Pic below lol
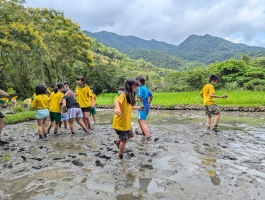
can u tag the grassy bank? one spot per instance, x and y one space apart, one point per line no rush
235 98
19 117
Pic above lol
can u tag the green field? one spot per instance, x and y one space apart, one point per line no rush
235 98
19 117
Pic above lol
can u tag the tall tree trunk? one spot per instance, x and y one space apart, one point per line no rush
42 70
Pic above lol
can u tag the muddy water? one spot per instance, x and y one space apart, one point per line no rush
181 161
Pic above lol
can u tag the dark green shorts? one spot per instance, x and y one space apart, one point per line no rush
55 117
92 111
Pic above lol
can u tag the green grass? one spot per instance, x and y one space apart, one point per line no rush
235 98
19 117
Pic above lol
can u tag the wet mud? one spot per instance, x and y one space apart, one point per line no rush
181 162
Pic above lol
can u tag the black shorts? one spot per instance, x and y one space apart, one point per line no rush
2 115
86 109
123 135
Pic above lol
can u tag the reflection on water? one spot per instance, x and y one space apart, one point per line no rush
211 170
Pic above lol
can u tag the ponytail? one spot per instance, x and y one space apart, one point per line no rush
58 87
130 94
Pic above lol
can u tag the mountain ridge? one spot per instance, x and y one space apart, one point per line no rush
204 49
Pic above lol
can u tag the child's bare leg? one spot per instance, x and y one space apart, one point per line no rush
86 119
122 147
40 126
94 117
78 120
145 128
140 125
1 125
71 125
209 118
50 126
44 122
217 119
56 126
65 124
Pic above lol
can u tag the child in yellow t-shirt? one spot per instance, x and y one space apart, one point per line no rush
84 99
55 100
14 101
209 96
93 109
41 104
122 117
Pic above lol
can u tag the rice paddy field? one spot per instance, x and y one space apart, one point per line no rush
235 98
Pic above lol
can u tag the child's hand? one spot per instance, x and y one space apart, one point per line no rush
118 112
224 96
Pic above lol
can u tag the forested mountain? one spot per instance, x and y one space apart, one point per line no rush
205 49
209 49
162 59
125 43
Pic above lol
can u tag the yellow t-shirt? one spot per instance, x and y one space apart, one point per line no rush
34 95
55 102
94 98
206 91
41 101
27 101
14 98
5 99
84 95
123 122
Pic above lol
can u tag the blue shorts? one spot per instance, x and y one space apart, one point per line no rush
64 117
142 114
42 114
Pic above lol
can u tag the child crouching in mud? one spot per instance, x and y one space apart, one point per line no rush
122 117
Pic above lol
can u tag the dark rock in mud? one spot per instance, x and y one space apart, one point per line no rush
104 156
9 166
231 139
82 154
39 166
57 158
206 144
24 158
36 158
99 164
156 139
131 154
229 157
21 149
77 163
97 154
154 154
72 156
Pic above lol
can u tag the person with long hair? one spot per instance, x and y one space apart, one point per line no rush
122 117
41 104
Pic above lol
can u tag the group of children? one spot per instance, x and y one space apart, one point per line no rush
61 103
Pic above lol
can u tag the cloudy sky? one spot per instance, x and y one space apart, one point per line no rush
171 21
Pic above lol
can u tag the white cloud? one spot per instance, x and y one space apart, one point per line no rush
168 20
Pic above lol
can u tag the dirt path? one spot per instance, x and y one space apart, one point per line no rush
181 162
